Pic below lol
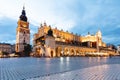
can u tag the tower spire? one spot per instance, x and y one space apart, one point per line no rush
45 23
23 16
23 7
23 11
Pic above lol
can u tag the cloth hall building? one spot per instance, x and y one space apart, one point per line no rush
51 42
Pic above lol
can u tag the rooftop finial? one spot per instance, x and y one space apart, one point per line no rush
45 23
23 15
24 7
23 11
41 25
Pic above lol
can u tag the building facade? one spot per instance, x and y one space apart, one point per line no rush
5 47
53 42
63 36
22 32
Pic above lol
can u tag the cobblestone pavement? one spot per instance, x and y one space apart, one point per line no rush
103 72
67 68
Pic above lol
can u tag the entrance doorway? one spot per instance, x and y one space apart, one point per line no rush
51 54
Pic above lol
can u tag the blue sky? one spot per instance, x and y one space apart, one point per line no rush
77 16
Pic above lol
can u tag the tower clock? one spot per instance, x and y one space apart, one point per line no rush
22 32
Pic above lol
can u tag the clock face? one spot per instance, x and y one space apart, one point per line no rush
24 25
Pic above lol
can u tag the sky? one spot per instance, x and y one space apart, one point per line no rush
77 16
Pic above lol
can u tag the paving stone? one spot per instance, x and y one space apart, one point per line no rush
103 72
30 69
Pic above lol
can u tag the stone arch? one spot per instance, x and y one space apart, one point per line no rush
58 51
66 51
77 52
81 52
52 53
72 52
38 52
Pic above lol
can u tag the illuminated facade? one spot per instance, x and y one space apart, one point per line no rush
93 40
53 42
23 32
62 36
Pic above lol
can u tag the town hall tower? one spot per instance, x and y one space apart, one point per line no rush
22 32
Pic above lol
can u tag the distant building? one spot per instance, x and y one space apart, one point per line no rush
23 32
6 47
118 49
13 48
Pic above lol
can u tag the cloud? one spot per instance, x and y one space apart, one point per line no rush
118 26
10 41
111 40
53 12
78 16
7 38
